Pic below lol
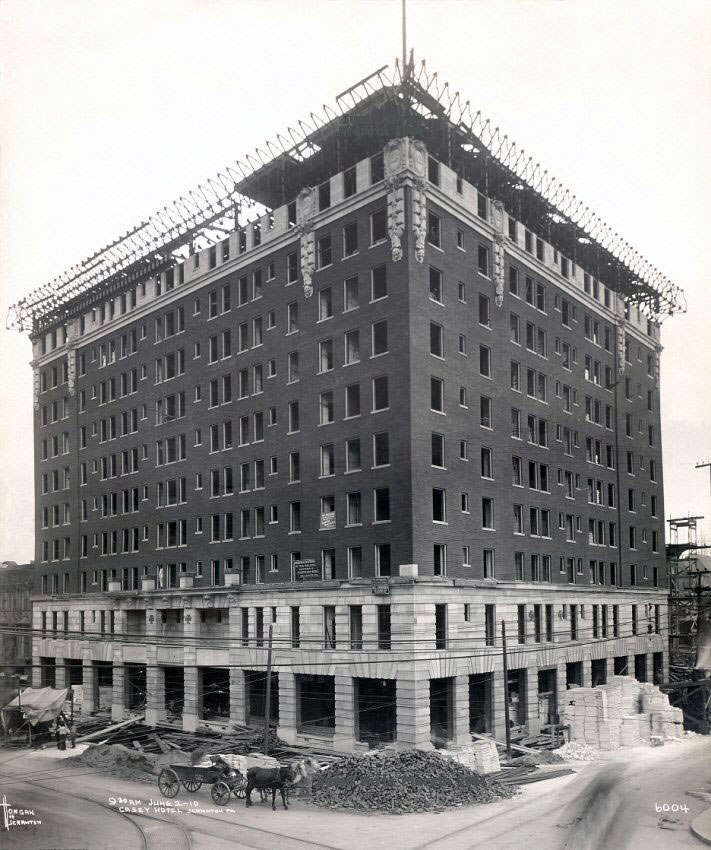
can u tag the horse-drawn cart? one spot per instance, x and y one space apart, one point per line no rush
224 780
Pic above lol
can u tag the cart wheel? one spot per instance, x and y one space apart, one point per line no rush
240 791
192 784
168 782
220 793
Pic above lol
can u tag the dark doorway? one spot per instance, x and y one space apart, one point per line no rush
214 690
316 700
135 685
174 692
481 714
658 668
574 673
75 671
640 667
441 711
376 715
103 683
598 667
48 672
517 697
621 665
257 697
547 697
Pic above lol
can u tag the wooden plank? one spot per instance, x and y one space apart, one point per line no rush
501 744
101 733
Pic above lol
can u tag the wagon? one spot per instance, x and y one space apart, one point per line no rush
224 780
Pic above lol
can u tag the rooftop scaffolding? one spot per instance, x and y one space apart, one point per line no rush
385 104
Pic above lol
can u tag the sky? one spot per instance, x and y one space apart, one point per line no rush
112 108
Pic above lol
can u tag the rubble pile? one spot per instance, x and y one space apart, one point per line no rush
125 762
575 751
624 712
410 781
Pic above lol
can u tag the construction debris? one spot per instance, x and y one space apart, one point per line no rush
399 783
623 712
575 751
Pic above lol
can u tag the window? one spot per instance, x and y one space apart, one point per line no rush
436 340
436 293
349 182
350 294
484 361
488 562
326 410
380 393
487 464
353 509
325 304
323 251
353 458
325 355
378 283
483 260
434 230
485 419
352 400
487 513
514 329
439 505
378 227
380 337
381 449
327 460
381 504
484 311
437 395
292 317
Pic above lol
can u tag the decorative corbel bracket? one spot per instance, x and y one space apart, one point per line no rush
305 211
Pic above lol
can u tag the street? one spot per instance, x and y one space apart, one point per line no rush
610 805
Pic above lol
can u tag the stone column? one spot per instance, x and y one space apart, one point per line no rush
342 627
89 686
609 667
344 732
630 660
60 674
460 713
561 680
498 696
413 708
191 696
238 696
649 666
118 701
286 729
155 687
533 720
587 670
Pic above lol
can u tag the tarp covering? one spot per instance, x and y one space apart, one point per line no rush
40 704
703 646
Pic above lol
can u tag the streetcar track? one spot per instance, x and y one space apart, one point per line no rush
265 837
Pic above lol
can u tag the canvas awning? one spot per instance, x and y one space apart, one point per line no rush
703 646
39 704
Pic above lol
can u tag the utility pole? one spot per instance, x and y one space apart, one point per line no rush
267 706
404 38
506 691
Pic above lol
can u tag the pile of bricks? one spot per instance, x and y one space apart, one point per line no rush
624 712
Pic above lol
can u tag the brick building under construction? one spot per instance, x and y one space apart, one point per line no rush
380 389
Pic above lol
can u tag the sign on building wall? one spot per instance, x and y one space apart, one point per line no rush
306 570
380 586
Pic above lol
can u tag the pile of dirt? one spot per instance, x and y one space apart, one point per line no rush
410 781
127 763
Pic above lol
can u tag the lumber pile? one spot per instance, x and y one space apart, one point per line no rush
481 756
398 783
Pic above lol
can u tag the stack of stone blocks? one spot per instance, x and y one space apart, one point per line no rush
624 712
